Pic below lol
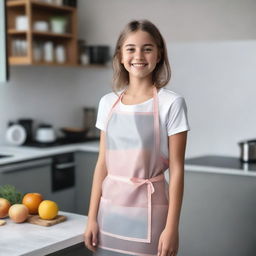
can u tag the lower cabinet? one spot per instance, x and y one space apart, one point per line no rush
28 176
36 176
75 250
218 215
85 165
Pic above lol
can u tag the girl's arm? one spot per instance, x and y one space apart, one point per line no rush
169 239
177 147
100 173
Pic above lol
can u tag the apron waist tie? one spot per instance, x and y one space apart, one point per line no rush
150 190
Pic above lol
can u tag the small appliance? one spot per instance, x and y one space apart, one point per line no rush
45 133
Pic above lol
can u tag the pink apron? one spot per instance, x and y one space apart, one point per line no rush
134 202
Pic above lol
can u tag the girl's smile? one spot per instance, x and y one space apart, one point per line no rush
139 55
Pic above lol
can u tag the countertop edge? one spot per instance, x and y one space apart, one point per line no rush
217 170
21 154
56 247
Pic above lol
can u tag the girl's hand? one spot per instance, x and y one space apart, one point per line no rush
90 235
168 243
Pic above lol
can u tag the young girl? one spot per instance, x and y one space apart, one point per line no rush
144 128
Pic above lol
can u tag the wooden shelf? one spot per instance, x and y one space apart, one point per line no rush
38 3
93 66
17 32
66 64
52 6
38 33
19 60
16 3
50 34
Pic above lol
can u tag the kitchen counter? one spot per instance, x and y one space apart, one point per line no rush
208 163
30 239
220 165
22 153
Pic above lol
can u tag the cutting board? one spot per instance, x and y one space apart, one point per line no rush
35 219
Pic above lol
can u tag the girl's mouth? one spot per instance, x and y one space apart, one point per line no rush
139 64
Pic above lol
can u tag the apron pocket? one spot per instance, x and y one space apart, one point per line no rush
124 222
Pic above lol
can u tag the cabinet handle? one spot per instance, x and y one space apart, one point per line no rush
25 165
64 166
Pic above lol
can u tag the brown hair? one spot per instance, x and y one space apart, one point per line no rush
162 72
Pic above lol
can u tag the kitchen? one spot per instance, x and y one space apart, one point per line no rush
211 47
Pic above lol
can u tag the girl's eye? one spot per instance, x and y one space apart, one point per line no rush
148 49
130 49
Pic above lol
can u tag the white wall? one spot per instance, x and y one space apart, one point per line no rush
57 95
218 82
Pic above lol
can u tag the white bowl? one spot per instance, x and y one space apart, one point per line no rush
41 26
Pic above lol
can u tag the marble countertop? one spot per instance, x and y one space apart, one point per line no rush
33 240
220 165
22 153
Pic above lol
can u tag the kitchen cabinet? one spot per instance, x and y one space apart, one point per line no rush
85 165
36 176
28 176
218 215
29 39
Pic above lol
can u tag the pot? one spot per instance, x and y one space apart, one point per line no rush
74 133
45 133
248 151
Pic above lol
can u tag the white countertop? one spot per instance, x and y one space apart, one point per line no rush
196 164
219 164
34 240
22 153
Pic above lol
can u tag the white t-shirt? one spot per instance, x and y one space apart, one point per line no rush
172 113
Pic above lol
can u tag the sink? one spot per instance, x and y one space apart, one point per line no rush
2 156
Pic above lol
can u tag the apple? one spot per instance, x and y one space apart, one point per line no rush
4 207
18 212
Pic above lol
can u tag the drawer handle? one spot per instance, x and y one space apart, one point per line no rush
65 166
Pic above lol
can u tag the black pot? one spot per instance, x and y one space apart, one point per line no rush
98 54
73 134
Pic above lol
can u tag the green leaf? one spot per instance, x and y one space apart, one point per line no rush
10 193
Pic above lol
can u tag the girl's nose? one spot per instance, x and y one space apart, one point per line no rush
139 55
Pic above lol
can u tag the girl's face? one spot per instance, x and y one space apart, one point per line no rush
139 54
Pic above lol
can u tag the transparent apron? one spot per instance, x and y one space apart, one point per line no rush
134 202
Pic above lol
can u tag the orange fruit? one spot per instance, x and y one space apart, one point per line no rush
32 201
48 210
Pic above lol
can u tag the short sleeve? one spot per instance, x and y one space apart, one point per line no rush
102 115
177 119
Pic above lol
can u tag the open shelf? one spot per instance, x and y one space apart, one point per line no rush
35 10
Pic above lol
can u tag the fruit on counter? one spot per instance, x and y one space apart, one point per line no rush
2 222
4 207
32 201
18 213
48 210
10 193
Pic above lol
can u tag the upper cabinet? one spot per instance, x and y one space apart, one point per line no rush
41 33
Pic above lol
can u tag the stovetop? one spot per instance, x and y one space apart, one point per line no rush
58 142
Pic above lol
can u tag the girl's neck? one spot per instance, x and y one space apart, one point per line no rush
139 88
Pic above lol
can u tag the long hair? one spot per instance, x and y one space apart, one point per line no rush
162 72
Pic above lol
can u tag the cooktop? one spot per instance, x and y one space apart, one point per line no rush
58 142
